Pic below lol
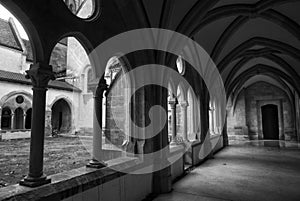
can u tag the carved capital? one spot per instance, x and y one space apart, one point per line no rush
40 74
184 104
173 102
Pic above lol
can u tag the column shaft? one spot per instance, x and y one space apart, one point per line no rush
12 121
40 74
37 133
97 157
184 106
0 120
24 120
173 104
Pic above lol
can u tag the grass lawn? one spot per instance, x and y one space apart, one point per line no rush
60 154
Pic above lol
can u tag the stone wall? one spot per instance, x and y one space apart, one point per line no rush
244 121
10 59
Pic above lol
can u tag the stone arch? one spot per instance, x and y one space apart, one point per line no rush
248 10
270 43
31 29
264 70
6 118
5 98
270 15
61 116
256 54
10 100
59 97
114 103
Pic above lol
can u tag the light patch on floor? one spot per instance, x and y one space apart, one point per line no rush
242 172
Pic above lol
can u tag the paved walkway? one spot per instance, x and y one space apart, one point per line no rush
243 172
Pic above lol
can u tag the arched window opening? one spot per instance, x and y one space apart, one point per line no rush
61 117
191 116
180 65
115 108
28 119
19 119
6 119
69 61
179 113
212 117
81 8
171 106
58 59
113 67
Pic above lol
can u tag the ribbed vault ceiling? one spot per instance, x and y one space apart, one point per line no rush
260 38
257 37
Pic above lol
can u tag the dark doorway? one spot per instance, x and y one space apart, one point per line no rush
270 122
19 118
28 119
6 119
61 116
60 121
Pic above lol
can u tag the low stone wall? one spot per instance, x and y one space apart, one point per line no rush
87 184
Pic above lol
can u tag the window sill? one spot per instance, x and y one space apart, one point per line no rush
69 183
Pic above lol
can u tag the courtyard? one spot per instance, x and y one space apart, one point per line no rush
61 154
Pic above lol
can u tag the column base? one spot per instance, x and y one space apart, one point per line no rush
173 143
35 182
96 164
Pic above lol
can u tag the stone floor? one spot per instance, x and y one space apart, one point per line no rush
243 172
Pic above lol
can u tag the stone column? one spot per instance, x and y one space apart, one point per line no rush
40 74
24 119
173 104
12 118
184 106
96 161
0 119
212 119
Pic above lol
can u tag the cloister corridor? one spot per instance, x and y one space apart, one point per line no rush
242 172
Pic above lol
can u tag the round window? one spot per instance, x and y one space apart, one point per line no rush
180 65
82 9
20 99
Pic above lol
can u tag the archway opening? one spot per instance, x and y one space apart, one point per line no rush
61 117
6 119
28 119
270 122
19 118
115 110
